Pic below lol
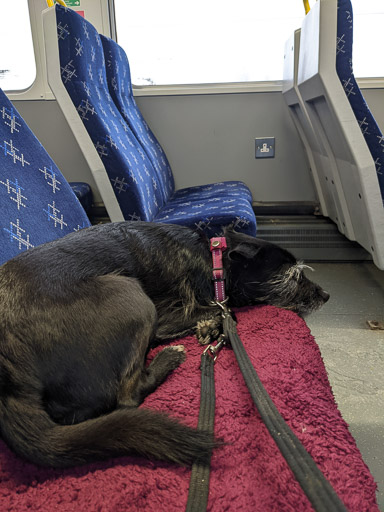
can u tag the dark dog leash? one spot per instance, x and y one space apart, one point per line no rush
314 484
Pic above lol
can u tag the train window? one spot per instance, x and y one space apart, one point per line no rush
222 41
368 36
201 42
17 59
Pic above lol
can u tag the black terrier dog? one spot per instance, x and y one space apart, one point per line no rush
78 315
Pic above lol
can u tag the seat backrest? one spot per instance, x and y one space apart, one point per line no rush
347 162
120 88
37 205
344 67
82 68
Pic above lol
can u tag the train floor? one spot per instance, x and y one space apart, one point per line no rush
354 354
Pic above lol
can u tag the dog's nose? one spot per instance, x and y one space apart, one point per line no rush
324 295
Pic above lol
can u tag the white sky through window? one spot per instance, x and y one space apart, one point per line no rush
216 41
17 59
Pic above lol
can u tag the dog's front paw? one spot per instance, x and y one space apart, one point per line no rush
208 330
171 357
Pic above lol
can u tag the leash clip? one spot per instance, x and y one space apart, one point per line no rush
213 350
225 310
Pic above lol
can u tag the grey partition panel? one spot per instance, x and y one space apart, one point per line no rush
314 150
342 158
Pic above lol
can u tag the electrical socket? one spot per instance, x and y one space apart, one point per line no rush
265 147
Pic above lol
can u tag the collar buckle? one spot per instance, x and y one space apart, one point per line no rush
219 242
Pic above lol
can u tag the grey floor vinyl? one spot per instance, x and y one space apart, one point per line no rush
353 354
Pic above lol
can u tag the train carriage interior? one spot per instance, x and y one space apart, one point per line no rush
251 114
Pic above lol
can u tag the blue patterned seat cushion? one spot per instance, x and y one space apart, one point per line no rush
235 189
37 204
82 66
344 68
210 215
120 88
83 193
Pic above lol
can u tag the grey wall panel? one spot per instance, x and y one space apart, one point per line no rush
375 100
211 138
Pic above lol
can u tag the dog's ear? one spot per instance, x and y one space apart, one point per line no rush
242 247
244 251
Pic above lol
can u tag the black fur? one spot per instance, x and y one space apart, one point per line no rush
78 315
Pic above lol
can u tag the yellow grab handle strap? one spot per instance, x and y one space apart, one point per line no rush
51 3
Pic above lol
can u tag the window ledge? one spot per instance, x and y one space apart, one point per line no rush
190 89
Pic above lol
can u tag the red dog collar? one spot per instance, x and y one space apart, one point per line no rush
217 246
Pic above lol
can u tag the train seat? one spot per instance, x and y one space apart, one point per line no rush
343 159
77 76
120 88
37 205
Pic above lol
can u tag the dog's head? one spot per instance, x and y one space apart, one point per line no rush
264 273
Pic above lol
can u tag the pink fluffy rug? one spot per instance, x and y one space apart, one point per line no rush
249 474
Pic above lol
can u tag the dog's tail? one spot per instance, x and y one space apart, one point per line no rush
31 433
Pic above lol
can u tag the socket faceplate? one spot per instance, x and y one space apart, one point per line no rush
265 147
